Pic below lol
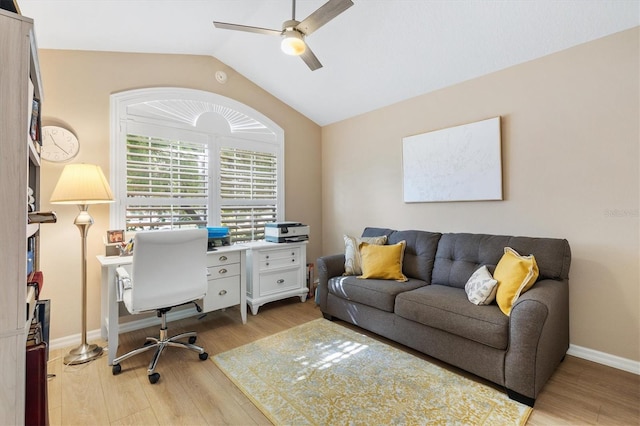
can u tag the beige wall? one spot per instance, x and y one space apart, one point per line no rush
77 87
570 146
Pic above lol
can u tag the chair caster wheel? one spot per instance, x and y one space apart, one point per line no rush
153 378
116 369
192 339
203 356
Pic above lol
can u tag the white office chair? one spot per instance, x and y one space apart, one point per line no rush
169 269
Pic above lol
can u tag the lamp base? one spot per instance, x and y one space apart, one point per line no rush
83 353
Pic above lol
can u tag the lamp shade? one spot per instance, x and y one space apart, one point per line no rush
82 184
292 43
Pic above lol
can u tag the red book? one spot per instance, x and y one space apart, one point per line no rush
37 280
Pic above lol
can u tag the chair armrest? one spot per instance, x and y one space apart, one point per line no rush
122 273
123 282
328 267
538 336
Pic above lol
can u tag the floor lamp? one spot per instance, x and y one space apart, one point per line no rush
82 184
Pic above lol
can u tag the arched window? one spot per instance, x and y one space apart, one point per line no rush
188 158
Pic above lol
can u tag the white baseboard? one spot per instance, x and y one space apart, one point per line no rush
92 335
605 359
577 351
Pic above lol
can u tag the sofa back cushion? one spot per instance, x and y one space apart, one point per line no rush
419 253
460 254
376 232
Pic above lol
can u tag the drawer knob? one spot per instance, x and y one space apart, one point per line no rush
293 253
267 263
222 258
222 271
267 256
222 292
280 281
293 260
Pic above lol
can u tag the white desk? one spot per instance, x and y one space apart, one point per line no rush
109 318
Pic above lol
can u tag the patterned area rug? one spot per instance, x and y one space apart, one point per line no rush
321 373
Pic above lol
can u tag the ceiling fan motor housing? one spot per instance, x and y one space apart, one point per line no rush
291 24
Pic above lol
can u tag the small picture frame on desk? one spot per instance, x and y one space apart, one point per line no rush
115 236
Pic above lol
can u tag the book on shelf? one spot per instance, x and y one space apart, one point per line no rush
31 93
34 130
42 217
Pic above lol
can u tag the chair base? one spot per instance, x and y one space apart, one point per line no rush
159 345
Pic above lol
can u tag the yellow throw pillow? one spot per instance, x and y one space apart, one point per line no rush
352 259
515 275
383 262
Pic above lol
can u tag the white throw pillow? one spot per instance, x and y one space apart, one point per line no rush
352 258
481 287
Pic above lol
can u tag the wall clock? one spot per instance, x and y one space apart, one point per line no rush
58 144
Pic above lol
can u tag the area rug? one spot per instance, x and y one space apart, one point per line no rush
321 373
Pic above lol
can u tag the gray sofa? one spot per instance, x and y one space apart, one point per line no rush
431 312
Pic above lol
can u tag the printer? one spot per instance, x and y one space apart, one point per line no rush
286 232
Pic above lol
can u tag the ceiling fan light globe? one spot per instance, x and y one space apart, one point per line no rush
293 44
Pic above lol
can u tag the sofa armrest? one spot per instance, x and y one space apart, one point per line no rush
328 267
538 337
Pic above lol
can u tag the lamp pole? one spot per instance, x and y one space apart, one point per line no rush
85 352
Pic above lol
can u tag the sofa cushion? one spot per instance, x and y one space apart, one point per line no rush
515 275
460 254
447 309
419 252
380 294
375 232
382 261
352 258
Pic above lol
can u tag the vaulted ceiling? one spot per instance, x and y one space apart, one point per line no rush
376 53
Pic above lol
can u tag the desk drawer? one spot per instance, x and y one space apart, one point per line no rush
223 271
278 281
279 258
222 293
283 253
222 258
279 263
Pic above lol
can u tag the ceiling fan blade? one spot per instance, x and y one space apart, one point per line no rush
310 59
227 26
323 14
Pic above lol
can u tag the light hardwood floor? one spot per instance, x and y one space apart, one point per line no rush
194 392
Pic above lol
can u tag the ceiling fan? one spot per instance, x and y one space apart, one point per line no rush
294 32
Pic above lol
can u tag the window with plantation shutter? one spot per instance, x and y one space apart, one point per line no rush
189 158
248 192
167 183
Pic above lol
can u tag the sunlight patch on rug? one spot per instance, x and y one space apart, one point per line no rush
321 373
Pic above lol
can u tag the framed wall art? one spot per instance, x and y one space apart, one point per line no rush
462 163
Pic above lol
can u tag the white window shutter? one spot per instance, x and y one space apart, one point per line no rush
248 192
167 183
